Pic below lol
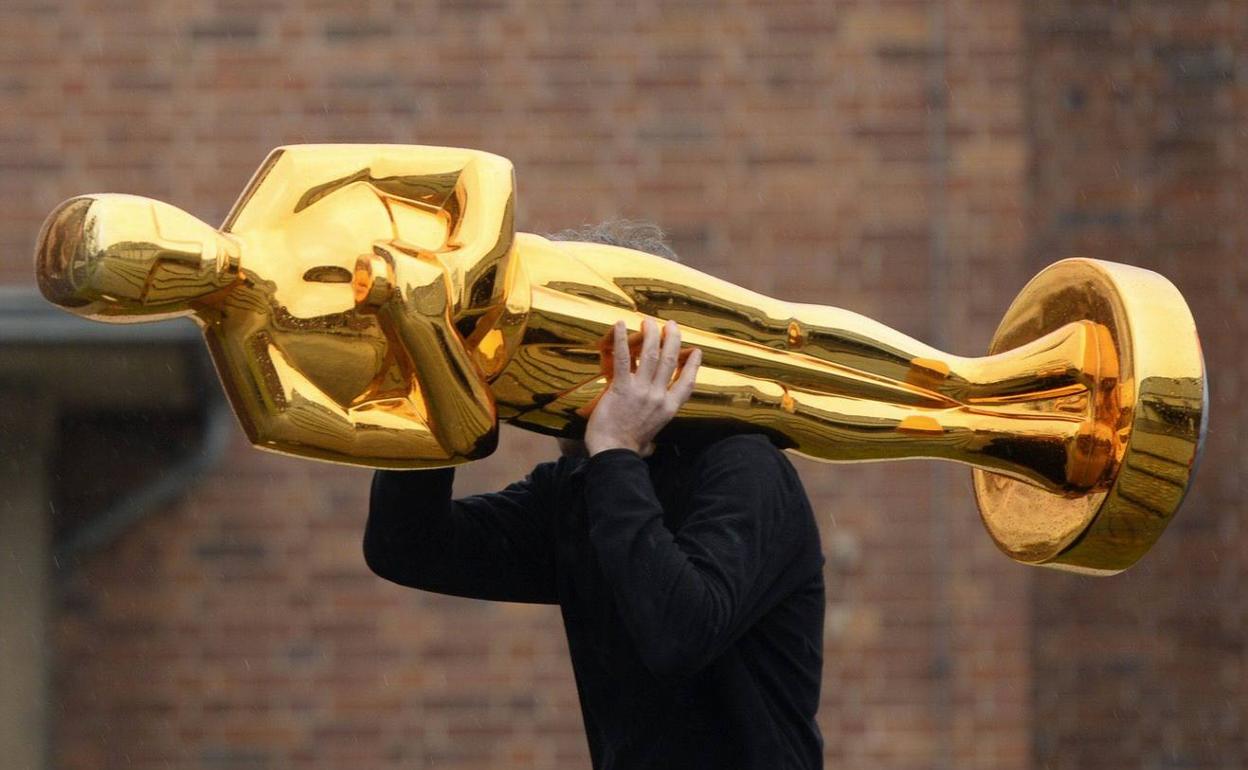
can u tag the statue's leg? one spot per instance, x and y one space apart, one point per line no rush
823 348
846 429
830 383
841 428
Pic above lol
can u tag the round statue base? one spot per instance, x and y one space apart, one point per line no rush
1158 414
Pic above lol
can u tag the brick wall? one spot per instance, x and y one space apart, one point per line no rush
871 155
1141 155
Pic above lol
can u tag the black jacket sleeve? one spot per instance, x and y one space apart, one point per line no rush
686 595
492 546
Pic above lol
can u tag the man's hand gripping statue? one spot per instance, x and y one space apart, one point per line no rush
640 402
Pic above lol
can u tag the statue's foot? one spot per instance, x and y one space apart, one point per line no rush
1135 454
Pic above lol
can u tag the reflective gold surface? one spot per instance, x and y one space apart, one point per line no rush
1150 426
373 305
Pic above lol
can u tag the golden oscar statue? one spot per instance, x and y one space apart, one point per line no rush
373 305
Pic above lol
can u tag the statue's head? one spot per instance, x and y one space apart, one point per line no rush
125 257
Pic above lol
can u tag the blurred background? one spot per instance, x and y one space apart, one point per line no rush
172 598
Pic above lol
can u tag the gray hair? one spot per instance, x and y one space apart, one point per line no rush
630 234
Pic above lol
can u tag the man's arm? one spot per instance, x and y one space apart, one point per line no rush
493 546
686 595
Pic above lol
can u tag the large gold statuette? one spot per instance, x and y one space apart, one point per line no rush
373 305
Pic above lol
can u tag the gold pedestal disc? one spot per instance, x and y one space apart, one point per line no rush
1153 409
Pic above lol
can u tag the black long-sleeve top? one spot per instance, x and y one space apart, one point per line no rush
690 583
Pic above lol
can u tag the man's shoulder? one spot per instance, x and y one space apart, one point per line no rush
743 447
549 470
750 455
555 473
751 467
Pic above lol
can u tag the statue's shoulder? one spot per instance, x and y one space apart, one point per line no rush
294 177
406 159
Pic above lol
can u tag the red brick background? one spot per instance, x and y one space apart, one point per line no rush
1140 130
912 160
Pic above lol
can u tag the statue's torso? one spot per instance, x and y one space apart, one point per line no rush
294 321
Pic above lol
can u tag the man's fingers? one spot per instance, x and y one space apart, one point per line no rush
648 361
623 359
682 389
668 354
